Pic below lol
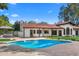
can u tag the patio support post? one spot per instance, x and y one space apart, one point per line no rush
42 32
62 32
24 33
72 31
39 32
57 32
65 32
78 32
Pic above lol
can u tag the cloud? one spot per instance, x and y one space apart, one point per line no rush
1 10
6 14
13 3
15 15
36 19
12 21
50 11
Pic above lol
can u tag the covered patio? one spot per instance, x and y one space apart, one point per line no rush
6 30
42 30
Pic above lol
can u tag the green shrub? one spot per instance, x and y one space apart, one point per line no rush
73 38
1 32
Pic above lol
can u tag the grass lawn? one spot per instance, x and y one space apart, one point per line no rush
5 40
73 38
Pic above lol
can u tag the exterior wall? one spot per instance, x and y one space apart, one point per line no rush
73 32
49 34
26 33
58 32
15 33
42 34
68 26
18 33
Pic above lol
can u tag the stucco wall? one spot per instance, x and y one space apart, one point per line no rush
70 27
18 33
27 32
42 34
66 25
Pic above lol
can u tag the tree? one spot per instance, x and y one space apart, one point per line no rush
3 6
31 22
4 18
70 13
43 23
4 21
16 26
63 14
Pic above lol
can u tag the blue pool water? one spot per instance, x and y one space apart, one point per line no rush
34 44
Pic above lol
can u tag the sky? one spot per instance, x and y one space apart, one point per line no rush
47 12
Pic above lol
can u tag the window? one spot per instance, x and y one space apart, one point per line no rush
67 31
71 31
76 32
54 32
46 32
64 31
38 31
60 33
34 31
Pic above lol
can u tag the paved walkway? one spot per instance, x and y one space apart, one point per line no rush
68 49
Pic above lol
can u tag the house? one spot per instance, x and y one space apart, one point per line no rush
42 30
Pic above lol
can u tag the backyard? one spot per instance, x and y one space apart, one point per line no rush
57 50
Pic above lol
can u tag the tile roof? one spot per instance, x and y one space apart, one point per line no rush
42 26
64 22
75 27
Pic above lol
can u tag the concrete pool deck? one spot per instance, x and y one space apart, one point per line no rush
68 49
21 39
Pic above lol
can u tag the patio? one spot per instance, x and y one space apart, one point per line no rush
69 49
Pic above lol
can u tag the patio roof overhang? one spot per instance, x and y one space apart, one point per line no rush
5 27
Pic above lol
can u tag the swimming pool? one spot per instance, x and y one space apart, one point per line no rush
34 44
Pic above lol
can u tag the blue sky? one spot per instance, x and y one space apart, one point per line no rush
38 12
